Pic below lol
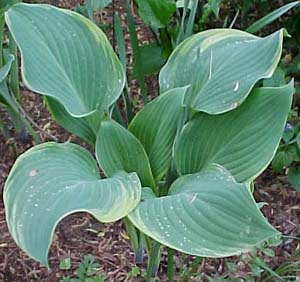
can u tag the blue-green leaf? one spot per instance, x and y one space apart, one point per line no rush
66 57
118 149
51 181
243 140
222 66
205 214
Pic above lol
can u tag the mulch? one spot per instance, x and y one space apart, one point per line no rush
80 234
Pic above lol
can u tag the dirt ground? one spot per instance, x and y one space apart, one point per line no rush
80 234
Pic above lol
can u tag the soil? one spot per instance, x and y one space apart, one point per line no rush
80 234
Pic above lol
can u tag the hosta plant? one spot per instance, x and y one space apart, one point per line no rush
181 172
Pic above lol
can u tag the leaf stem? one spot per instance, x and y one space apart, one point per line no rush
170 270
14 72
31 121
117 114
132 233
153 261
2 23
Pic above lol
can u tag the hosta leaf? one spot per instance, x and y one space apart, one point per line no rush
243 140
118 149
221 66
206 214
86 127
51 181
67 57
155 126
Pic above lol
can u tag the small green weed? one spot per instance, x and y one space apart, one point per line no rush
87 271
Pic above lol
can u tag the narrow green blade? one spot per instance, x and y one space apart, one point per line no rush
4 70
269 18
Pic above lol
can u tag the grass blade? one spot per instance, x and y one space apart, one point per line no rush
14 72
181 32
191 20
2 23
234 19
269 18
136 53
122 54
